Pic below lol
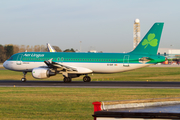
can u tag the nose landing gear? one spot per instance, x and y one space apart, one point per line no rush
24 77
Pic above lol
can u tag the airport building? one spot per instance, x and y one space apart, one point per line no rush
169 52
173 55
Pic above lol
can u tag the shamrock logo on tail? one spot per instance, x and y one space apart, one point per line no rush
150 41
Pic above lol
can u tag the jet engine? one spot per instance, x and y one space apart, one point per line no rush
41 73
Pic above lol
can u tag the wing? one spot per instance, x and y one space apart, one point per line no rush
65 68
55 65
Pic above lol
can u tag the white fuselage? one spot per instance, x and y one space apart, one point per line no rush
95 67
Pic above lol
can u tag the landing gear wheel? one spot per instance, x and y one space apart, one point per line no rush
23 79
86 79
67 79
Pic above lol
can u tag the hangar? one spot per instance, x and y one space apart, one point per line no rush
173 55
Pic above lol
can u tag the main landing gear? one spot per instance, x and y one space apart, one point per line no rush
24 77
87 79
67 79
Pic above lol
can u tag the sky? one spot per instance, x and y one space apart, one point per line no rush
103 25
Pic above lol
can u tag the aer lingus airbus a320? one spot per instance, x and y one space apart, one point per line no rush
71 65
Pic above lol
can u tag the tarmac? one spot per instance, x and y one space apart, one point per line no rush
93 84
165 65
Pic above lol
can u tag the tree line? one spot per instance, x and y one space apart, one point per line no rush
7 51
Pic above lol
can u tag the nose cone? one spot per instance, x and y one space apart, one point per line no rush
6 65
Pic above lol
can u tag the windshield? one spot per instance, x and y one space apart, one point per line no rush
11 58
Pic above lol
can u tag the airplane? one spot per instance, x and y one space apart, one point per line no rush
50 48
72 65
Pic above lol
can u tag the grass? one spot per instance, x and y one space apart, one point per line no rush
66 103
143 74
76 103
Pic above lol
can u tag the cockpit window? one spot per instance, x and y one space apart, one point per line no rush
11 58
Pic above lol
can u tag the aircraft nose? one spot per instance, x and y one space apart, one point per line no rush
5 65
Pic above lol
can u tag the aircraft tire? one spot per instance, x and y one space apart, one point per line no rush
87 79
67 79
23 79
70 79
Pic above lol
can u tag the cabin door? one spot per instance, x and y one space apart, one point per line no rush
18 61
126 61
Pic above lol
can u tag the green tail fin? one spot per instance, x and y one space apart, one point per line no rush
150 43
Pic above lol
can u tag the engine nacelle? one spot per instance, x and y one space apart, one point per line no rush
41 73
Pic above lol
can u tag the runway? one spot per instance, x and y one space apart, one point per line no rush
93 84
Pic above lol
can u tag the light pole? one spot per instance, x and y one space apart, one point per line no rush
171 53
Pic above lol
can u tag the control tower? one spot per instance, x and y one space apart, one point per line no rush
136 33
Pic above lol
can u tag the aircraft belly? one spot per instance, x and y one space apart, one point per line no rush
106 67
95 67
